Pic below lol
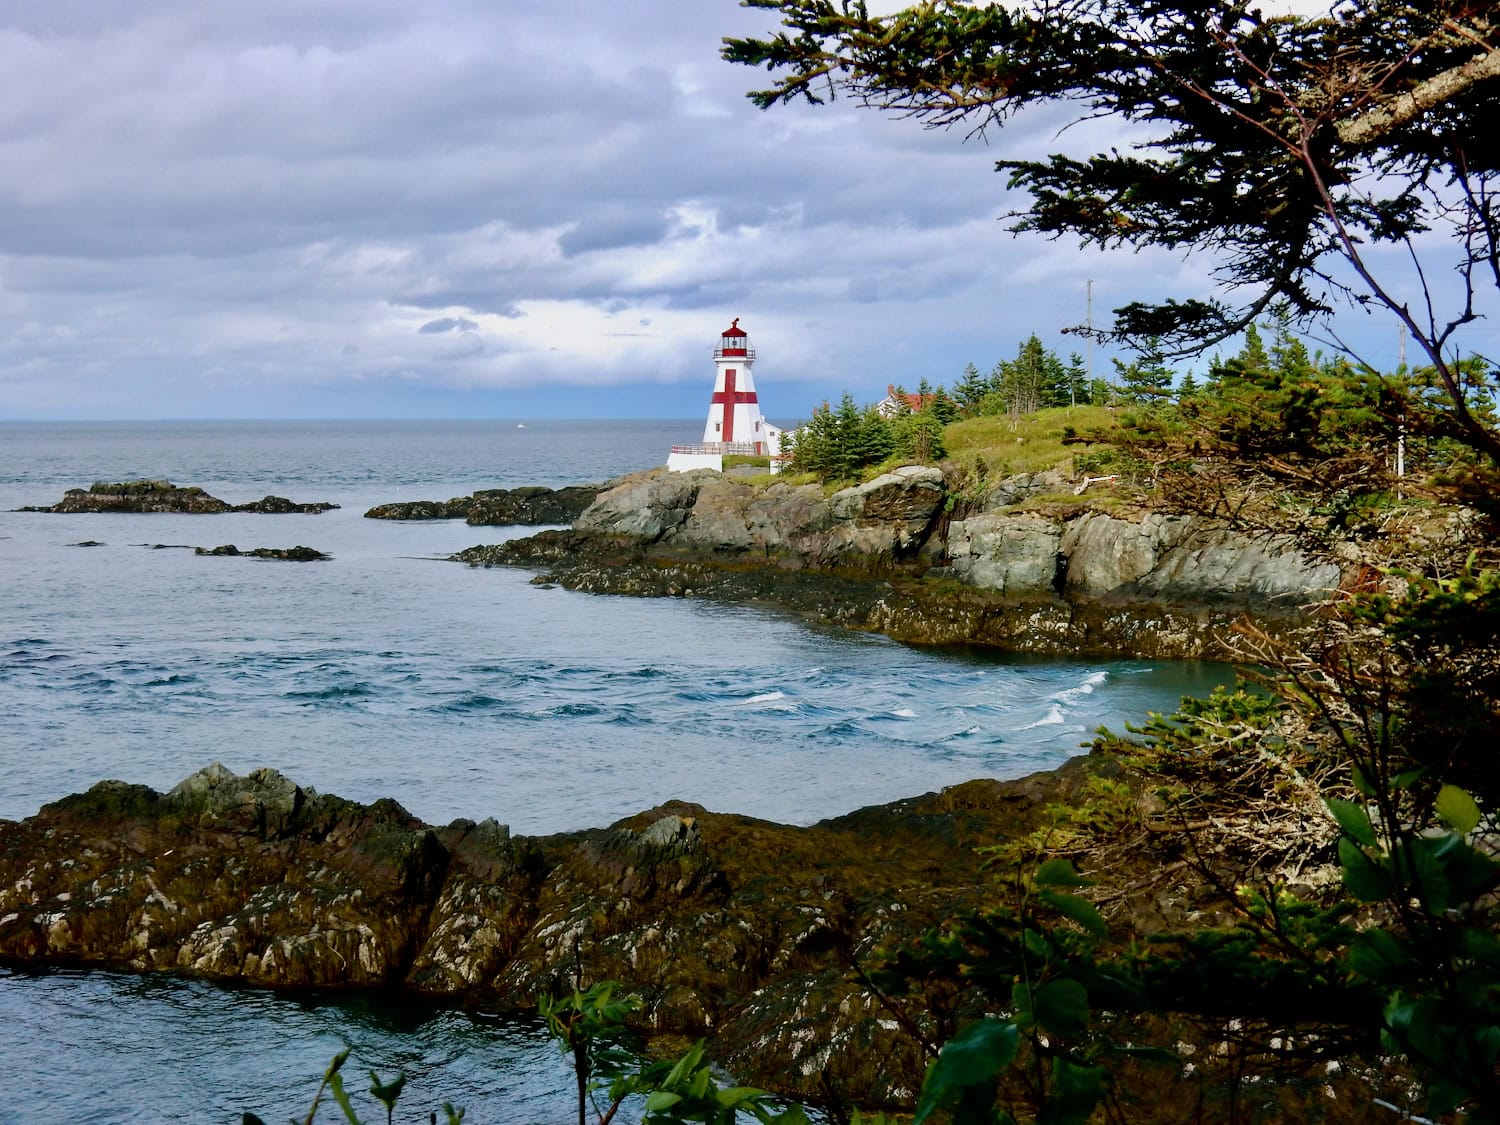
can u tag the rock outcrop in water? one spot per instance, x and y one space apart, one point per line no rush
732 927
164 496
1028 568
285 554
499 507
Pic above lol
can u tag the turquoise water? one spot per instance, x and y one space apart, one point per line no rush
458 692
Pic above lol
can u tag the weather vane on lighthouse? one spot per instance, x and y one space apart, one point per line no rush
735 424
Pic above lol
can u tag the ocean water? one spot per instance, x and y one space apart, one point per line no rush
385 672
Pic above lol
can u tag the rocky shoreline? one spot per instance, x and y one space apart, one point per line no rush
741 930
730 927
1028 567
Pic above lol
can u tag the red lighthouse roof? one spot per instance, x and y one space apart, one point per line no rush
734 329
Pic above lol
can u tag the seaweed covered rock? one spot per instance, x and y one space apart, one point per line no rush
286 554
135 496
725 925
280 506
498 507
164 496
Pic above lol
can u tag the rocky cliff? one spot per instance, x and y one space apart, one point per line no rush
727 926
1028 567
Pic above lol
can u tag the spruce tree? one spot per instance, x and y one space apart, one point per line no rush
1145 380
970 390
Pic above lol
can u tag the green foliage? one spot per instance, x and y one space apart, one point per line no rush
971 389
387 1093
1146 380
1041 955
1445 631
589 1026
917 436
738 460
1114 462
966 1076
837 445
1272 144
1285 405
684 1090
1034 380
1436 962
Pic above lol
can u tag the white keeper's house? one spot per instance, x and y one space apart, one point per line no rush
735 423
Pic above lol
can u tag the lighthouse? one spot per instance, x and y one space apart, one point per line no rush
735 423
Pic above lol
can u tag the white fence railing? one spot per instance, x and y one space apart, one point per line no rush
745 448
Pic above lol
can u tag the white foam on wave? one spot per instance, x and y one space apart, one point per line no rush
904 713
766 697
1054 717
1091 681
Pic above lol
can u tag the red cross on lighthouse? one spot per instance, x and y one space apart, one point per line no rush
730 397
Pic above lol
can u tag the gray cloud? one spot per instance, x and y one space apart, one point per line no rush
449 324
460 194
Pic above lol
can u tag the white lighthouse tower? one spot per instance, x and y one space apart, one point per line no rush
735 423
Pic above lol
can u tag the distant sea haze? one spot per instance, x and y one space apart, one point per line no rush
387 673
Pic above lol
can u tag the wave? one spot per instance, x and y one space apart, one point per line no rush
172 679
647 673
1054 717
629 718
567 711
844 728
467 703
764 697
334 693
1093 680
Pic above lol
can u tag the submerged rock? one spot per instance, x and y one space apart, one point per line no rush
725 925
164 496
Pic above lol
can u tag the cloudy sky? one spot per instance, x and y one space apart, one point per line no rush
487 208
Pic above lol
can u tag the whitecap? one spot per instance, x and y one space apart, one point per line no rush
1053 717
904 713
1093 680
766 697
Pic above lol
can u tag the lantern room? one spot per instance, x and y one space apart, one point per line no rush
734 342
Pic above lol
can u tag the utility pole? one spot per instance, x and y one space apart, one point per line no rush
1088 320
1401 425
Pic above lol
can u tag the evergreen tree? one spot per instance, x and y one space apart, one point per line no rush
970 390
945 408
847 439
1145 380
1275 143
1253 354
1075 383
810 443
1025 380
919 437
876 441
